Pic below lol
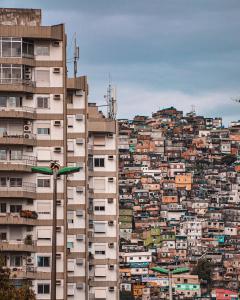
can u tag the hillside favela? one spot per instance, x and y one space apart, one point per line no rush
98 205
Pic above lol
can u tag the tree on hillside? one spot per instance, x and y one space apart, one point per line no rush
204 270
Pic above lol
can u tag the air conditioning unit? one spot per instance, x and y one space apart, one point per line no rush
58 282
57 149
90 210
58 229
110 179
110 135
29 260
57 97
111 245
110 200
79 93
111 267
79 213
110 223
27 122
28 76
58 255
110 157
55 43
79 261
79 117
59 202
79 189
56 70
26 135
57 123
27 128
80 141
111 289
79 237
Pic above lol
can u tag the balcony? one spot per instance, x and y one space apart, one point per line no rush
24 272
24 164
18 246
21 112
17 138
17 85
102 125
27 190
22 218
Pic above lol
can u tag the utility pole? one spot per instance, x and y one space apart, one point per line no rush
54 170
170 285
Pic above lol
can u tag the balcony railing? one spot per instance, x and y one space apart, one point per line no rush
18 245
17 134
17 81
26 109
23 160
24 187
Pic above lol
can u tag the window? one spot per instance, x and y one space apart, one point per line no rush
99 227
10 73
3 236
15 182
3 154
44 207
99 208
42 50
15 154
42 182
45 131
44 234
99 162
43 261
99 140
100 271
3 181
70 216
11 47
43 102
3 207
70 121
15 208
70 146
43 78
43 288
99 184
100 252
16 261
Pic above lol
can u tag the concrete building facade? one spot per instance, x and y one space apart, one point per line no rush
46 116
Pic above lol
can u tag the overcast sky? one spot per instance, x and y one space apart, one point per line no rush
159 52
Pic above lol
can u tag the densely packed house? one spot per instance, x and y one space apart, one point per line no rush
179 204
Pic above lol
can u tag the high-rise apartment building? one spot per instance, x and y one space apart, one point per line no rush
46 116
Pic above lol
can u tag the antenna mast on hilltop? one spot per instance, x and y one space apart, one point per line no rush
76 55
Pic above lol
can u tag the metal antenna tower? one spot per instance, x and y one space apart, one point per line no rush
76 55
111 101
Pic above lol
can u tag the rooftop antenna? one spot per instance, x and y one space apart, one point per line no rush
111 100
76 55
